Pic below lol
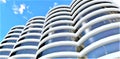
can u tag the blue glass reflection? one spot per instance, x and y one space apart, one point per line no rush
104 50
7 46
29 43
8 41
4 52
59 49
25 58
63 38
62 24
62 30
101 36
66 58
26 51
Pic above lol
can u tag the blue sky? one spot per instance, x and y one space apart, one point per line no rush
18 12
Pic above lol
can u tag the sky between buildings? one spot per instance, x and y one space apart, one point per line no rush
18 12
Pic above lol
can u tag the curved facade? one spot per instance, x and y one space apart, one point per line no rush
86 29
26 46
8 43
77 31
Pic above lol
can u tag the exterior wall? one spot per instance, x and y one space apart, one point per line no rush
9 41
26 46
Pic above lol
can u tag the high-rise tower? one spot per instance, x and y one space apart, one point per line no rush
9 41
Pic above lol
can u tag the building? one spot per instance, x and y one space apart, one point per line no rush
86 29
10 40
26 46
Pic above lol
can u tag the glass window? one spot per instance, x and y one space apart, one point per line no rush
101 36
12 41
97 8
24 58
18 28
104 50
59 11
63 24
30 37
63 38
63 48
58 20
28 43
25 51
66 58
11 36
37 19
62 31
93 4
15 32
33 27
6 46
98 15
100 24
4 52
32 31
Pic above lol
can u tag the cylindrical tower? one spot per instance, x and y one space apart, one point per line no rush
26 46
10 40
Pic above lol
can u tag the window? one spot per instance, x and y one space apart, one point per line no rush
8 41
101 36
104 50
63 48
58 20
30 37
98 15
28 44
25 51
33 27
62 24
62 31
18 28
63 38
97 8
15 32
4 52
32 31
6 46
12 36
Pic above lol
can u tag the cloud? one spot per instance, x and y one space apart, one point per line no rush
55 4
22 8
3 1
18 9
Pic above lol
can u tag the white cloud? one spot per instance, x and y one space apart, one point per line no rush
19 9
22 8
55 4
3 1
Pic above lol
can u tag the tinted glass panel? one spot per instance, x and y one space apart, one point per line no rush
17 28
28 43
30 37
25 58
12 41
62 31
63 38
59 49
6 46
4 52
101 36
16 36
61 25
104 50
26 51
15 32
